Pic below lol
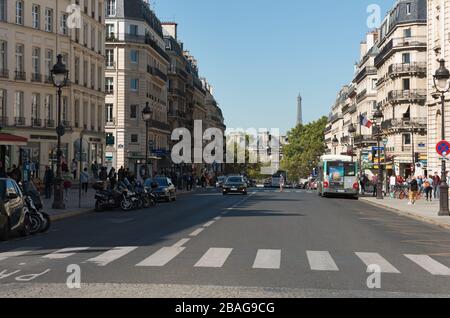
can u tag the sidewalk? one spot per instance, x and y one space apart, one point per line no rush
87 204
422 210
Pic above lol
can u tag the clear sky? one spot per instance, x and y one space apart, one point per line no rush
259 54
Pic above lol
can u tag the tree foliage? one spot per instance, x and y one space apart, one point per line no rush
306 145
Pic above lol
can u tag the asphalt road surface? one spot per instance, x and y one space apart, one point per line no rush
268 244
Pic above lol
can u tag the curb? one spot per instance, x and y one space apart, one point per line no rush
407 214
63 216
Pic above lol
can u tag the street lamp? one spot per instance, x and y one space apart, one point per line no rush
352 132
378 117
442 85
147 117
335 143
59 76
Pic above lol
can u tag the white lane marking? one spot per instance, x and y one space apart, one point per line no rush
209 223
267 259
161 257
197 232
65 252
377 259
321 261
430 265
214 257
15 253
217 218
111 255
181 242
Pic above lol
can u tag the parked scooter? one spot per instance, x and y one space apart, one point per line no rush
144 194
40 221
107 199
130 199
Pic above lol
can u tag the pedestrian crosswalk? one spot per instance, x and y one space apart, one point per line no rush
218 257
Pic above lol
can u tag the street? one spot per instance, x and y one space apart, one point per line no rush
268 244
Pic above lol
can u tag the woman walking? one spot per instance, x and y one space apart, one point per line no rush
84 178
428 186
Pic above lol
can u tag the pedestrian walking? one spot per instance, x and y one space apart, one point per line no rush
84 179
94 170
67 183
428 187
112 176
392 185
375 185
74 168
436 185
103 174
121 173
48 182
413 190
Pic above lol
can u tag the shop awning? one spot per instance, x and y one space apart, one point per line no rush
12 140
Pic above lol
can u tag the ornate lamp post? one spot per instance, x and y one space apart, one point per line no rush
59 76
442 85
147 117
335 144
352 132
378 117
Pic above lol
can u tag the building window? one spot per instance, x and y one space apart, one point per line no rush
408 8
18 107
65 108
109 113
110 33
77 113
48 20
36 14
406 139
406 84
48 62
100 40
374 84
77 70
99 77
3 103
64 29
85 34
406 58
134 139
3 10
109 58
407 33
19 12
133 111
36 60
109 85
110 8
35 106
134 56
19 58
85 114
3 55
92 76
85 73
48 107
133 29
93 37
134 84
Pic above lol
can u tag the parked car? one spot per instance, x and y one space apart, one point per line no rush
234 185
220 181
166 191
14 214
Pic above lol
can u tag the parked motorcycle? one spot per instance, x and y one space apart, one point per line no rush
40 221
130 199
107 199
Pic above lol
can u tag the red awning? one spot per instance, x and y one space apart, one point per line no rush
12 140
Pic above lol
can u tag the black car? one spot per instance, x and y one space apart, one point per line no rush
234 185
14 214
165 191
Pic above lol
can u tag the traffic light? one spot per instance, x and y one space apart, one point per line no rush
416 157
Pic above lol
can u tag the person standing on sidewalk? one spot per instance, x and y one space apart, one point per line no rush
48 182
413 190
112 176
436 185
74 168
428 186
392 185
375 185
84 179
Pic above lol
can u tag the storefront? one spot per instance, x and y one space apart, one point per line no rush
10 150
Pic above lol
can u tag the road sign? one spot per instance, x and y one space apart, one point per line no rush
443 148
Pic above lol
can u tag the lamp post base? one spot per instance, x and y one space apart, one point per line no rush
443 200
58 202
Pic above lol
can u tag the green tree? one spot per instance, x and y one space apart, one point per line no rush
306 145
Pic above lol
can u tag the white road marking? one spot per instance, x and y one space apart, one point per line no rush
430 265
217 218
15 253
197 232
181 242
267 259
377 259
111 255
214 257
321 261
161 257
209 223
65 252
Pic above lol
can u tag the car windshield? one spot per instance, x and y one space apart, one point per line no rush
234 180
162 182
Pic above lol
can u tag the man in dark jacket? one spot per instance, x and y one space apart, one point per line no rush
413 190
48 182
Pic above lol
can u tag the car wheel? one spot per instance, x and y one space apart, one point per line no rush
4 234
26 226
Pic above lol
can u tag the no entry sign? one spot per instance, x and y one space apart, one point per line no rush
443 148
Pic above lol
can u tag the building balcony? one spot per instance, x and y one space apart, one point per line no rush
20 76
159 125
4 73
176 91
48 79
404 123
399 43
418 96
49 123
178 71
361 96
363 140
36 77
368 70
140 39
66 124
19 121
110 122
327 129
157 72
411 69
335 117
36 122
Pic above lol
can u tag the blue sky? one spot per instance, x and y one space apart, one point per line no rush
259 54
